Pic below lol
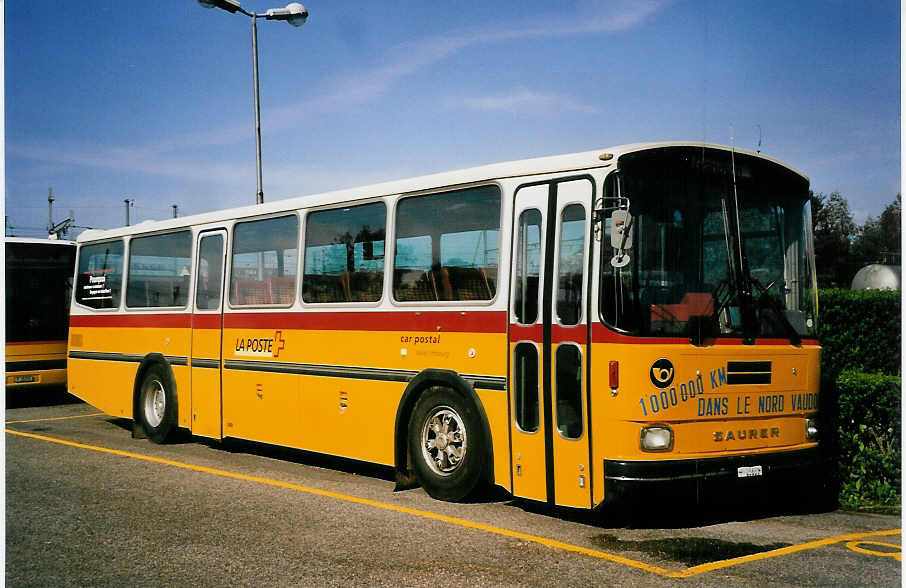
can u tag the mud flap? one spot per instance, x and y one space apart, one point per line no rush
405 480
138 431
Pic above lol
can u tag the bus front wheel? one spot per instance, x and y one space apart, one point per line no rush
157 404
446 444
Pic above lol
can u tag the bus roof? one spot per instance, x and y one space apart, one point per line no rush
511 169
39 241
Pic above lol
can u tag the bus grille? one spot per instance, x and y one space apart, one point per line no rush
748 372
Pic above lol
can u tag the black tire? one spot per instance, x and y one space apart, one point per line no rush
447 445
156 408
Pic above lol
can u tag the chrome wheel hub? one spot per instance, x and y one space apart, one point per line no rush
155 403
444 441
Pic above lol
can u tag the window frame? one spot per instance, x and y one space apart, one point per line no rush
303 235
582 392
198 237
127 270
587 240
392 238
231 238
539 394
122 300
516 268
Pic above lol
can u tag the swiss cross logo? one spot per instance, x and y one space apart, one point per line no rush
261 346
279 343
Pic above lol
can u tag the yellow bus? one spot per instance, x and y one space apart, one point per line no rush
38 289
574 329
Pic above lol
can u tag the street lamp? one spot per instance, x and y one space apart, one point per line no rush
293 13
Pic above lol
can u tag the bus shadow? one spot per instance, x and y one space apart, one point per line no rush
298 456
40 396
626 516
179 437
629 516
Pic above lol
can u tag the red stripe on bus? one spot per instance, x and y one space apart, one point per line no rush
578 334
448 321
206 321
602 334
163 321
559 334
526 333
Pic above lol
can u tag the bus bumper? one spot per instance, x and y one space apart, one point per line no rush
724 480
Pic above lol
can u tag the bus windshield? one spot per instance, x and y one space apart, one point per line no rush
705 256
38 287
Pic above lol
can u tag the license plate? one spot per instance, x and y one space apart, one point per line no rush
748 471
25 379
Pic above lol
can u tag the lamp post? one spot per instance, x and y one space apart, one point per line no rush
296 15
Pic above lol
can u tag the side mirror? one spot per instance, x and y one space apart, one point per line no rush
621 229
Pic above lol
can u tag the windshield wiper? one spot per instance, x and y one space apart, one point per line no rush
738 278
792 334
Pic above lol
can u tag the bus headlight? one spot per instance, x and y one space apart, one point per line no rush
656 438
811 429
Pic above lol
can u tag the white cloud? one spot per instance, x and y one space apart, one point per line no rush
410 57
126 160
354 87
365 85
524 100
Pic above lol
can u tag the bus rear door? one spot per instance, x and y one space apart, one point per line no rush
548 338
207 331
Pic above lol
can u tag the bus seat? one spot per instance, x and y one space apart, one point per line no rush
362 286
414 285
468 283
250 292
442 280
281 290
323 288
692 304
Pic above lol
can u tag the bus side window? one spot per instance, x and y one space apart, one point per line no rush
528 267
264 262
99 282
616 297
447 246
159 270
525 375
569 391
344 254
210 280
571 264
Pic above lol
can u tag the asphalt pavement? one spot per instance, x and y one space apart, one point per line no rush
86 504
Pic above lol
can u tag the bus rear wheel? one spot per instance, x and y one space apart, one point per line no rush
446 444
157 404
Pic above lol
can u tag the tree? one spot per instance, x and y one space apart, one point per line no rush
834 231
878 240
869 242
892 229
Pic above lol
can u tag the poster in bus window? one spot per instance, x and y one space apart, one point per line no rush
95 285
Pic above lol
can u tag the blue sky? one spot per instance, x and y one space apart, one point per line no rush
153 100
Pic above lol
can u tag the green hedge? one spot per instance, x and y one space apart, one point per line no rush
869 439
859 329
860 393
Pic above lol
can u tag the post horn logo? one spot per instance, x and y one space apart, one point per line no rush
662 373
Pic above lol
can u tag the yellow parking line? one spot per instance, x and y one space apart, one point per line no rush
858 546
716 565
689 572
75 416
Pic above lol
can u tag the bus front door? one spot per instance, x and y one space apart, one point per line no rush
548 338
207 330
